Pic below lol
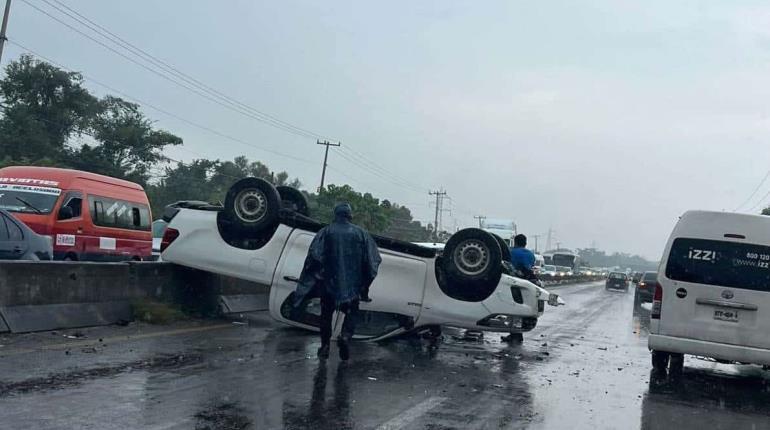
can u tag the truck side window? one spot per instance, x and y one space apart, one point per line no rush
75 202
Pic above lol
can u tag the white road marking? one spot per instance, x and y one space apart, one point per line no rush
412 413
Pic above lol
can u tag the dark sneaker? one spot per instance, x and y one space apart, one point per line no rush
344 349
323 352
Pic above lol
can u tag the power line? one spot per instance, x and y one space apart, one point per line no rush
199 88
194 88
159 109
155 60
760 202
753 192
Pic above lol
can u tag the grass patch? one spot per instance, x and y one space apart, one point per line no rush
154 312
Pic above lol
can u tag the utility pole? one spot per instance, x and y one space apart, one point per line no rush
481 219
440 195
558 246
536 236
548 241
326 158
4 27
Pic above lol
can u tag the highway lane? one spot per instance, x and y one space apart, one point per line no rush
585 365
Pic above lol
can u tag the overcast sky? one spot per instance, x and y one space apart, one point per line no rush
603 120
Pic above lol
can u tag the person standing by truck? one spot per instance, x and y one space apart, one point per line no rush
341 265
523 262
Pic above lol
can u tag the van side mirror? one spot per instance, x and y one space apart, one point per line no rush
65 212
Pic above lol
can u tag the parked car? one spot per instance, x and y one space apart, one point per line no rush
263 235
645 288
636 277
19 242
89 216
617 281
712 298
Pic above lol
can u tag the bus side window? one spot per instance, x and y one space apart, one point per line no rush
97 212
136 218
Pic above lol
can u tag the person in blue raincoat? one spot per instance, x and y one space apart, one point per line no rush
341 265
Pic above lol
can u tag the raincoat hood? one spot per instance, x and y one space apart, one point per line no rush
343 212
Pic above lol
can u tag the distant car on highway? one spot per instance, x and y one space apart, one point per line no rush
636 277
262 234
712 296
19 242
617 281
645 288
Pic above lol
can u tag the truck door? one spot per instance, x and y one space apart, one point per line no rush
396 293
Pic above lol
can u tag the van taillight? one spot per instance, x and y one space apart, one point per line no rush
657 301
169 236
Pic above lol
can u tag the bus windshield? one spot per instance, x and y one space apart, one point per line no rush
28 198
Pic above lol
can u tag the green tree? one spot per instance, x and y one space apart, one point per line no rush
183 182
766 211
42 106
128 145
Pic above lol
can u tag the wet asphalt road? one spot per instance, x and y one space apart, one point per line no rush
585 366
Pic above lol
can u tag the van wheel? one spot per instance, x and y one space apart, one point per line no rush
472 264
676 364
660 360
70 257
293 200
251 207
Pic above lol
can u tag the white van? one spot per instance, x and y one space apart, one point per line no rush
713 293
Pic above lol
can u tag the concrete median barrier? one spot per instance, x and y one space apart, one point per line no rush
38 296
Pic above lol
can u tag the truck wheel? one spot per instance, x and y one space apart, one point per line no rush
472 264
293 200
676 364
505 255
251 207
660 360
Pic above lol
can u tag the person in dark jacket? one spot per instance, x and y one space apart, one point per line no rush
523 262
341 265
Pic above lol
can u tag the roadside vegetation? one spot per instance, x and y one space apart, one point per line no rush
49 118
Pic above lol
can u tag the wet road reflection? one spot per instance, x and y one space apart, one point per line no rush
585 366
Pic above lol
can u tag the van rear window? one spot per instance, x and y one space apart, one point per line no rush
714 262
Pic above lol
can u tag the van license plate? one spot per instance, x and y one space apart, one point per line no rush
726 315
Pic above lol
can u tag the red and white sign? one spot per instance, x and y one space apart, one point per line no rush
65 239
31 189
29 181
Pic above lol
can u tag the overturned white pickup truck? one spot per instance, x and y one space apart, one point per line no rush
262 234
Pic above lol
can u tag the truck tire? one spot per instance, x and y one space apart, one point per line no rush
472 265
505 255
660 361
251 208
293 200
